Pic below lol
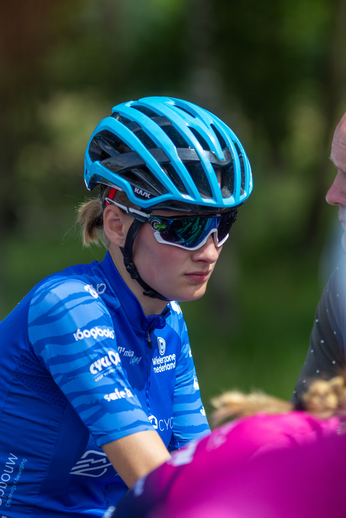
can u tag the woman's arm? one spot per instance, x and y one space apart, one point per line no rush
136 455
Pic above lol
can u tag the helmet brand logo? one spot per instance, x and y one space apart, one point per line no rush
145 194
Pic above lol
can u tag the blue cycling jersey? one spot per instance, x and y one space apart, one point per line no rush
81 366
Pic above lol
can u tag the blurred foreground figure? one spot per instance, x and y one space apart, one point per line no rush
278 463
327 351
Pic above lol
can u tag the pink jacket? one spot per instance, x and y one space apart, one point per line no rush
271 466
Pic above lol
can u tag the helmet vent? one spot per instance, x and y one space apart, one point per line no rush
242 169
185 110
145 139
219 137
105 145
143 182
177 139
199 177
145 110
225 175
242 184
172 174
200 139
121 118
136 128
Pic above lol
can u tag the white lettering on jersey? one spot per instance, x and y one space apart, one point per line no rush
94 332
118 394
161 424
112 358
91 290
130 354
9 478
165 363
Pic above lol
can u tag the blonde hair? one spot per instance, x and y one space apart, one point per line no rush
323 399
90 217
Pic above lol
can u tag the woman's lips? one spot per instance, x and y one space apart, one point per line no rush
198 276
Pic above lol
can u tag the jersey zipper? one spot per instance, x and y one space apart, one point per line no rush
149 339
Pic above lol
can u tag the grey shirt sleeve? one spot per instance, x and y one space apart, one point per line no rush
326 354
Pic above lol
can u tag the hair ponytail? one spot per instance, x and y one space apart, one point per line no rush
324 399
90 218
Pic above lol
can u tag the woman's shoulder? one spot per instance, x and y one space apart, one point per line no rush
83 283
176 321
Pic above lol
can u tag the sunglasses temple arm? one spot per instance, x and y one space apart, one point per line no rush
137 214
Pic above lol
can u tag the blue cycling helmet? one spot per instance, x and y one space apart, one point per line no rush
171 154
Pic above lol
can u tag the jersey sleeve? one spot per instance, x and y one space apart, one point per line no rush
189 416
325 357
72 333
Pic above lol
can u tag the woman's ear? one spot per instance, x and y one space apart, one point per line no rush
116 224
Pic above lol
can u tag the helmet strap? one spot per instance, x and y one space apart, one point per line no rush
129 265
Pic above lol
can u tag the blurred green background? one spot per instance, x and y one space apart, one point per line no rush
274 71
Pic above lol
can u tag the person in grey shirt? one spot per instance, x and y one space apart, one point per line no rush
326 356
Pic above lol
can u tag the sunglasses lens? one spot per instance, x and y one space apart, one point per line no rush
190 232
225 224
183 231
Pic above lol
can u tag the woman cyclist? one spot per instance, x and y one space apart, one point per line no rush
97 380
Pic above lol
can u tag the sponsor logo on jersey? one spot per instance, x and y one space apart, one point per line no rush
161 424
92 464
90 289
118 394
128 353
95 332
162 345
101 288
164 363
9 478
112 358
153 421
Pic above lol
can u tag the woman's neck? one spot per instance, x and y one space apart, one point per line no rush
150 306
